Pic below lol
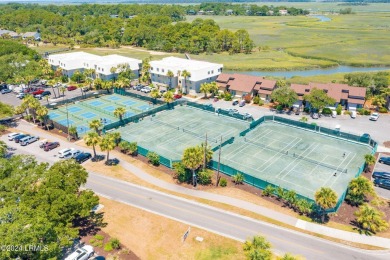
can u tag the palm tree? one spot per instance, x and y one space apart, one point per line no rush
213 88
369 161
370 219
107 86
113 72
62 89
73 132
207 154
193 159
98 83
155 93
168 97
42 113
52 82
326 198
204 87
119 112
30 103
58 72
95 124
47 99
358 188
258 248
170 75
185 74
107 144
92 139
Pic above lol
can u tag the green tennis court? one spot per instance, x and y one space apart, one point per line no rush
169 132
81 113
295 159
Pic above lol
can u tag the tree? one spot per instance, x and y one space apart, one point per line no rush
145 72
185 74
153 158
122 83
170 75
238 178
30 104
168 97
95 124
113 71
213 88
6 110
291 198
42 113
358 189
207 154
107 144
62 89
119 112
155 93
92 139
379 101
258 249
284 96
73 132
326 198
369 160
204 87
3 149
193 159
318 99
304 206
371 219
107 86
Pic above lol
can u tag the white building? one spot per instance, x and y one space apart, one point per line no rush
35 35
79 61
200 71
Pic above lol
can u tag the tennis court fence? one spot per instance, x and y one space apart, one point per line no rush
145 98
73 99
163 160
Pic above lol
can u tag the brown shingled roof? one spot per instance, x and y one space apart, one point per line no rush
246 83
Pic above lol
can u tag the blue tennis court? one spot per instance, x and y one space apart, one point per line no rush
65 122
129 114
74 109
114 98
129 102
96 103
109 108
53 115
144 107
88 115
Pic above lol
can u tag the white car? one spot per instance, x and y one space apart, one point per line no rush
374 116
28 140
13 135
146 89
247 116
83 253
62 152
71 154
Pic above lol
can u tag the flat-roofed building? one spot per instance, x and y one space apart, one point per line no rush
79 61
200 71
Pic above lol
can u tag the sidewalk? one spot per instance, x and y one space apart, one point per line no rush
312 227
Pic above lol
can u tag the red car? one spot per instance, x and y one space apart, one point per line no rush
38 92
177 96
50 146
70 88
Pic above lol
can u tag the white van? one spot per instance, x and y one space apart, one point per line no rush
11 136
28 140
83 253
62 152
353 114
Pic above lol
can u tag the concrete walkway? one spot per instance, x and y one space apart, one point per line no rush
312 227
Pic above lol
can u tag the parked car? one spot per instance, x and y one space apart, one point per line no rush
232 111
5 91
381 175
162 91
70 88
242 103
334 113
82 253
235 102
19 137
383 183
112 162
353 114
385 160
72 154
64 151
21 95
28 140
38 96
177 96
315 116
146 89
42 143
247 116
50 146
11 136
374 116
38 92
46 93
139 87
82 157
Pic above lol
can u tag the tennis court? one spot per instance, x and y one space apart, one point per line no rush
295 159
170 132
102 108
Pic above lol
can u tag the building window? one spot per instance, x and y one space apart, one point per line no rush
158 69
212 72
162 70
151 68
208 72
102 69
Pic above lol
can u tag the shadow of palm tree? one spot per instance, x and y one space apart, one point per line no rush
362 231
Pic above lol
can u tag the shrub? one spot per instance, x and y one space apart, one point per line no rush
347 113
280 193
256 100
223 182
382 110
261 102
279 107
182 174
269 190
99 237
238 178
95 242
339 109
124 146
108 247
2 128
133 148
248 98
153 158
228 96
314 124
306 110
115 243
303 119
364 112
204 177
326 111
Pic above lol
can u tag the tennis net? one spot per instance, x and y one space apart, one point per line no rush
129 107
163 123
199 136
286 152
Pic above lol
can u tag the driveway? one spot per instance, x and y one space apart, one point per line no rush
379 130
380 167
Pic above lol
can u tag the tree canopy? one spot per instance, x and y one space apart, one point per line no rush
40 205
318 99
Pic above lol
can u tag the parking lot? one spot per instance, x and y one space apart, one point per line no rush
380 167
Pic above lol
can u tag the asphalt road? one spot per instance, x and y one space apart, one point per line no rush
208 218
